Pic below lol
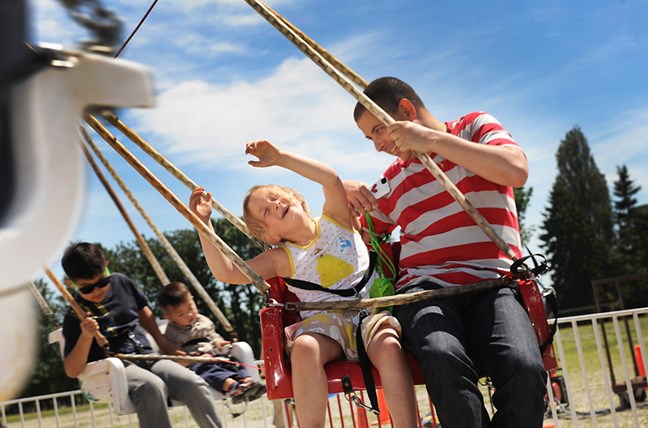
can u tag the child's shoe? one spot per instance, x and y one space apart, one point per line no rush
237 392
250 391
257 389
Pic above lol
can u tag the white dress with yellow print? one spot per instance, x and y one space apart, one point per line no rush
337 259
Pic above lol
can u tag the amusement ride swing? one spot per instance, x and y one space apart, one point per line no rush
276 315
280 307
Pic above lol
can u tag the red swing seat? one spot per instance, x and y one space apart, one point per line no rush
277 367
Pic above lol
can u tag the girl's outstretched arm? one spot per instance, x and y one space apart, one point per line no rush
335 200
268 264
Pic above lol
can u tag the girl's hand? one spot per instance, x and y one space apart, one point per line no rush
267 153
201 205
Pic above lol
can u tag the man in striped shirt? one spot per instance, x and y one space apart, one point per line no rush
443 247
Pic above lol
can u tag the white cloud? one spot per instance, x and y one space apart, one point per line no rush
620 140
242 20
296 106
195 43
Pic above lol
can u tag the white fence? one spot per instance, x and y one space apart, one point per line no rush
601 383
71 409
601 356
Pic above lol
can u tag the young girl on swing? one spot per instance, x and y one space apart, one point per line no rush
325 250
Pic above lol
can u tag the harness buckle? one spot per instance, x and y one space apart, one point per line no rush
353 397
290 306
272 303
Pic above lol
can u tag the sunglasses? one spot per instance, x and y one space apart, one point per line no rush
101 283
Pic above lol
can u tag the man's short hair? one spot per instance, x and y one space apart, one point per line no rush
387 92
82 260
173 295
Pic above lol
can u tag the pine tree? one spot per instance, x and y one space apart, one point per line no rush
577 223
631 224
624 191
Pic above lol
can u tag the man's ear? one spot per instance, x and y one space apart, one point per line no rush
407 109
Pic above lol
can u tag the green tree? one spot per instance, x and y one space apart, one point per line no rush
577 223
578 168
630 254
624 206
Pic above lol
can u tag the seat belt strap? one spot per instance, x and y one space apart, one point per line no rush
347 292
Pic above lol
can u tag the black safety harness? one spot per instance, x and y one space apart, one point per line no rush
363 357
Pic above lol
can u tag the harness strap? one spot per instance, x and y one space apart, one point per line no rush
552 302
365 365
518 267
347 292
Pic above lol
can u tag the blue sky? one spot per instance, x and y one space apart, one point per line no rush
224 76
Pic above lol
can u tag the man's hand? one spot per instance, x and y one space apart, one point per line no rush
411 136
201 205
359 196
267 153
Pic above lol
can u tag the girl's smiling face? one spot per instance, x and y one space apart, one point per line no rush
279 212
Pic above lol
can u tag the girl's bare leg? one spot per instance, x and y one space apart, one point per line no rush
387 355
308 355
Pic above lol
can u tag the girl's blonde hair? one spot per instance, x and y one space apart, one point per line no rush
255 226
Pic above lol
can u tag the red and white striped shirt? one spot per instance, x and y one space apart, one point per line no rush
439 240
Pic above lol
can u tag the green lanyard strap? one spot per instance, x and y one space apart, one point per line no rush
384 259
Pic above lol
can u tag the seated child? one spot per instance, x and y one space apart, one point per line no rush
119 310
196 334
327 251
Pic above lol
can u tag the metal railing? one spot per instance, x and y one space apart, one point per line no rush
602 379
72 409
